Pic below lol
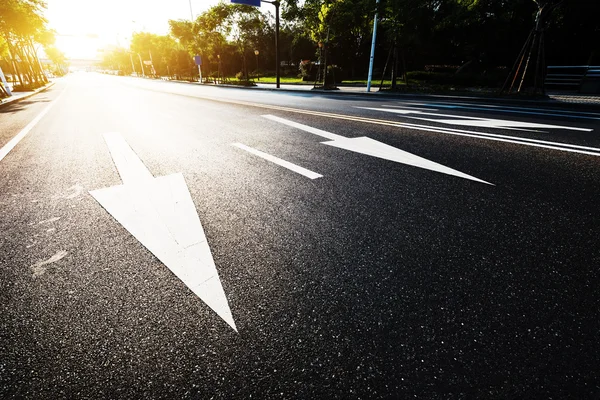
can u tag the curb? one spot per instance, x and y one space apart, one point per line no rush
10 100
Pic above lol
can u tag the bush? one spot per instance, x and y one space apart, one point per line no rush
334 74
493 78
308 71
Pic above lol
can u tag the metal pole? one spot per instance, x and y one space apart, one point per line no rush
191 14
372 58
276 3
132 64
141 65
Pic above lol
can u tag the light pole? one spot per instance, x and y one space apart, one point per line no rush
132 64
256 53
219 68
141 65
372 56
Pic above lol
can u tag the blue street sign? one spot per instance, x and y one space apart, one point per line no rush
255 3
198 60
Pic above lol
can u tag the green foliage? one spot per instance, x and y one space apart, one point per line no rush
22 26
308 71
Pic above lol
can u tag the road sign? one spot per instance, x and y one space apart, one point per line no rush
198 60
255 3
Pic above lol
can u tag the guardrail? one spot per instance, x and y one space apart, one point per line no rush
579 78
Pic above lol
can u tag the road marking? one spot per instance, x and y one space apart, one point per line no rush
512 110
40 269
566 147
15 140
374 148
286 164
476 121
160 213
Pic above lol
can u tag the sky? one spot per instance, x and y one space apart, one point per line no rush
85 26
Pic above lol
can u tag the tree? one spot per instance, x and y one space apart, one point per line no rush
22 25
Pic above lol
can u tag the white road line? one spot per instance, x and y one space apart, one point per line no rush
14 141
476 121
374 148
410 107
131 169
286 164
522 110
310 129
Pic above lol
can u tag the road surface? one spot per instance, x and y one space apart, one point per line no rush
165 240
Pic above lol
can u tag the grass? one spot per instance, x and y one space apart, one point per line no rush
289 80
283 79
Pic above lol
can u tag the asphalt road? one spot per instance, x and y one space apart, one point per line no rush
454 254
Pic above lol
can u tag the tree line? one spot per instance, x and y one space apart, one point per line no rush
23 31
466 37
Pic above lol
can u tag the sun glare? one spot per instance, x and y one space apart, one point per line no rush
85 27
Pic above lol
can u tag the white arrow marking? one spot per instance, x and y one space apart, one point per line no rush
275 160
475 121
160 213
371 147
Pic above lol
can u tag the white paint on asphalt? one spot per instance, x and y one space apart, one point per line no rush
306 128
40 268
48 221
160 213
520 110
475 121
14 141
374 148
286 164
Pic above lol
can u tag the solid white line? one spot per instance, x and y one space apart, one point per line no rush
523 110
14 141
483 122
286 164
509 139
310 129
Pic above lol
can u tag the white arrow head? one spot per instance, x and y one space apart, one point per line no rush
371 147
160 213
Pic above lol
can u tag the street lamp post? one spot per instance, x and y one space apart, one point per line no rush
256 53
141 65
132 64
219 68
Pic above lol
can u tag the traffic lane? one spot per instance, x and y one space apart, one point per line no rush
565 124
515 238
15 116
333 320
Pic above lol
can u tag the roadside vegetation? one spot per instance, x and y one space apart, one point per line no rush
426 44
23 32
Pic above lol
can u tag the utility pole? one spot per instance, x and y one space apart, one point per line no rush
277 66
132 64
372 57
141 65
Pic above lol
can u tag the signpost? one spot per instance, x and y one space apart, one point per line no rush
256 3
198 62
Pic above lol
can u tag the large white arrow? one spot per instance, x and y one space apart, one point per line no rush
371 147
160 213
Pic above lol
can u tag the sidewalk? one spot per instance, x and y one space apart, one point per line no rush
18 96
